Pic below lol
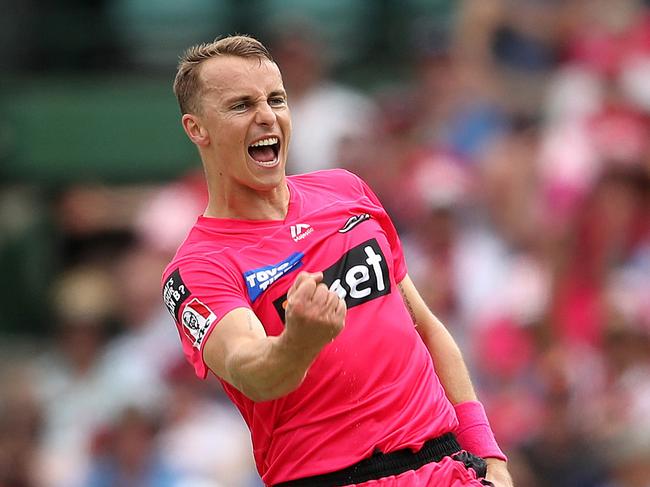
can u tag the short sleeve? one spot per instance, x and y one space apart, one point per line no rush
198 294
399 262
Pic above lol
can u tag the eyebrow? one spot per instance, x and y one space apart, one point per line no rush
281 93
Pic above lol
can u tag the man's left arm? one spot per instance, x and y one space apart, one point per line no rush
450 367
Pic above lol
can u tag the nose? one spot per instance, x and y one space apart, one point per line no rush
265 114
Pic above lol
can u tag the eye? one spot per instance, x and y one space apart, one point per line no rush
277 101
239 107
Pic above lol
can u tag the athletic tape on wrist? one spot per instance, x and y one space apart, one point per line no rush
474 432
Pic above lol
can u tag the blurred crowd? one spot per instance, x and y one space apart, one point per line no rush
514 158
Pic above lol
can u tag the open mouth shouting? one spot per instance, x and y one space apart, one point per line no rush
265 151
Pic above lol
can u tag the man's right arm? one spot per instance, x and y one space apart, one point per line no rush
263 367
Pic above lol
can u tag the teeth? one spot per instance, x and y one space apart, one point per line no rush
268 163
269 141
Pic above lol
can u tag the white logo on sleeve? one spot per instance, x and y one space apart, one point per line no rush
300 231
196 319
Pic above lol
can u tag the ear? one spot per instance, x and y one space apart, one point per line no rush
195 130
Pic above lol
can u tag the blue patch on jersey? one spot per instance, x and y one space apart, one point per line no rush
258 280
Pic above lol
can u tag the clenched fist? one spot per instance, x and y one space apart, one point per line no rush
314 315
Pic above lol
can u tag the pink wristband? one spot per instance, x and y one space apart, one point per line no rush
474 433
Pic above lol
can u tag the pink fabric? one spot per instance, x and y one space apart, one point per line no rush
375 385
474 433
446 473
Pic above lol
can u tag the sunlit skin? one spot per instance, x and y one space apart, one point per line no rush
243 101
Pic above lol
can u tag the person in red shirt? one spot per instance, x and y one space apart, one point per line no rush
294 292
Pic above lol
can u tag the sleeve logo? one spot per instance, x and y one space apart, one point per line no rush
197 319
175 292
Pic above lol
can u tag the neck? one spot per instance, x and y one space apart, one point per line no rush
247 203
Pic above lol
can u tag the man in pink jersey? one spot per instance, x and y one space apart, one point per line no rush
294 292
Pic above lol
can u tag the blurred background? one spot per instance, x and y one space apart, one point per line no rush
509 140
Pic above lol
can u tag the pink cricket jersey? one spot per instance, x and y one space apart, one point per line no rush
374 386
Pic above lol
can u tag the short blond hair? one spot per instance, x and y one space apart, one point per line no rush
187 84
